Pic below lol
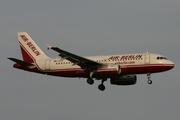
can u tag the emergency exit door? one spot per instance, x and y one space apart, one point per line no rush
147 58
47 64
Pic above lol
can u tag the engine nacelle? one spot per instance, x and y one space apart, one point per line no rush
124 80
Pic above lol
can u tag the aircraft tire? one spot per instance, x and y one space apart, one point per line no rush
149 81
101 87
90 81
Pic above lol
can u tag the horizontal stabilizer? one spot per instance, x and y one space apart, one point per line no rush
23 63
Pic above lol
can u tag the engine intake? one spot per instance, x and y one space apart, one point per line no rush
124 80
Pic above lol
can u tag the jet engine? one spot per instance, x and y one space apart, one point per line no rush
124 80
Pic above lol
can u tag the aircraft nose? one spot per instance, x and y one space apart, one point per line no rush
171 64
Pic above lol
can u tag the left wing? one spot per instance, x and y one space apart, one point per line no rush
84 63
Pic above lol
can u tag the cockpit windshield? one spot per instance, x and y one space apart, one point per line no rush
161 58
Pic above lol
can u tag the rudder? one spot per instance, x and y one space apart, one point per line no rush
30 50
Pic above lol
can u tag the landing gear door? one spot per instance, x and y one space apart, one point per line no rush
47 64
147 58
119 69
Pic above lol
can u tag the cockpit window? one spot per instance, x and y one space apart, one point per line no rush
164 58
161 58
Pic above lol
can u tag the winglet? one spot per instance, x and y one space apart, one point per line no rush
49 47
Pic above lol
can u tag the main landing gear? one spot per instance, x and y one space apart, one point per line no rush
90 81
149 76
100 87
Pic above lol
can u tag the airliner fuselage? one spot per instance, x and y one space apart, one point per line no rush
129 63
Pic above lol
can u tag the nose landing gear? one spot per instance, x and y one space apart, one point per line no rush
149 76
149 81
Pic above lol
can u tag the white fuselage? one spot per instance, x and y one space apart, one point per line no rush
129 63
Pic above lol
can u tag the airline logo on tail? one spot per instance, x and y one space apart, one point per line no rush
30 45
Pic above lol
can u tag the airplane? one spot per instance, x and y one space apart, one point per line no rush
120 69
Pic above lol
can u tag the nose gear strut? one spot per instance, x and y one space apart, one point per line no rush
149 76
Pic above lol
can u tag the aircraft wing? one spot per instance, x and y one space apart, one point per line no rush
75 59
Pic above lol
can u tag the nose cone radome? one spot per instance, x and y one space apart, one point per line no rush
170 64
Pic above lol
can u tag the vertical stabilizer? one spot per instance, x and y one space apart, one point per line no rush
30 50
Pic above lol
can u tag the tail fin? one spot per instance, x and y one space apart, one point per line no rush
30 50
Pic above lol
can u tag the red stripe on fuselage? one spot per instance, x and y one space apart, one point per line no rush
78 72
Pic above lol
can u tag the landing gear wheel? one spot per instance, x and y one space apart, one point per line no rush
101 87
149 81
90 81
149 76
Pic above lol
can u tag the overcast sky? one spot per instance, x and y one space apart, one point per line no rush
90 27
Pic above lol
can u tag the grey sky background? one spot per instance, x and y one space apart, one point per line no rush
96 27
